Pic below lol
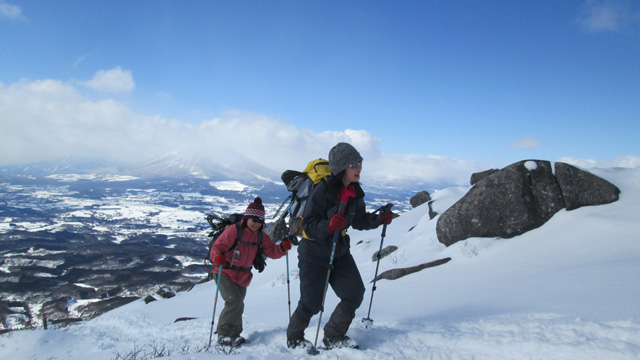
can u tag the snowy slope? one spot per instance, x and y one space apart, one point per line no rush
568 290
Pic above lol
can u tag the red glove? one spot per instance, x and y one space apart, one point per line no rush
286 245
220 260
337 222
385 218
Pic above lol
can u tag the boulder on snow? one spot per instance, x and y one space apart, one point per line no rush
419 199
166 293
432 213
475 177
520 197
149 299
581 188
386 251
398 273
183 319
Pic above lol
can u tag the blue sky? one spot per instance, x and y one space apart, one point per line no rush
489 82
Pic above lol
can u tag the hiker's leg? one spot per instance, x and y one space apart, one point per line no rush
347 284
230 320
312 279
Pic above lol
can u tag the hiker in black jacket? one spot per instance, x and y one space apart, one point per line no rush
321 221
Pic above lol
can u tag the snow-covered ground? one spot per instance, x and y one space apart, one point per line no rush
568 290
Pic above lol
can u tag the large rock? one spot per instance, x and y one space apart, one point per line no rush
476 177
520 197
581 188
419 199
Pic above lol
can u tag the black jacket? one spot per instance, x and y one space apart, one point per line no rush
323 202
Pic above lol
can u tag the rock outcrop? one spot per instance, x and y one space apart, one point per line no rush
521 197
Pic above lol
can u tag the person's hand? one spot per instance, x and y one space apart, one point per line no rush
220 260
286 244
337 222
385 218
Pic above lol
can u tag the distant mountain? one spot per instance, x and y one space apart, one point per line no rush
214 167
172 165
206 166
67 165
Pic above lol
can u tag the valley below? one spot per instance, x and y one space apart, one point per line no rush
74 246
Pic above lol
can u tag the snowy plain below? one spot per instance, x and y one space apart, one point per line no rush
567 290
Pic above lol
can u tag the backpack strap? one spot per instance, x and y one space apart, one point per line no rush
237 268
239 241
239 238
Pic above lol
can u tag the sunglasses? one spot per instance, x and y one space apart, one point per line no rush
355 165
256 220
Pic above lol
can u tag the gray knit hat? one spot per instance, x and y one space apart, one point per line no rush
341 156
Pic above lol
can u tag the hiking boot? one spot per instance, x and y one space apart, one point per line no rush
239 341
224 341
234 342
340 342
299 344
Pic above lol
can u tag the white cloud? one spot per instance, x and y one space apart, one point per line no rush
606 15
627 161
115 80
48 119
526 143
9 11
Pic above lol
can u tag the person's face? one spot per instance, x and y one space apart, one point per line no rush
352 173
254 223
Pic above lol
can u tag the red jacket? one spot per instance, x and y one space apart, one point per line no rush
246 252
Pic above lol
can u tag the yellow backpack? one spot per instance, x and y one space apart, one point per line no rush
300 185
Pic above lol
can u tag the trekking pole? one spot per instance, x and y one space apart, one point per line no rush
343 203
288 286
215 302
368 321
280 208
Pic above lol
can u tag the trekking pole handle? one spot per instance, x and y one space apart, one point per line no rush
382 210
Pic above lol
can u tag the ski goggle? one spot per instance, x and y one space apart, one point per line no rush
355 165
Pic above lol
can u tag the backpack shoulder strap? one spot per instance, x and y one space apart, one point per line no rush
238 236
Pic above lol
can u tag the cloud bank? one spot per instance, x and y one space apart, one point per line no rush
608 15
115 80
9 10
48 120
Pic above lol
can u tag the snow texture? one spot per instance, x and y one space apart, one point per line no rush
567 290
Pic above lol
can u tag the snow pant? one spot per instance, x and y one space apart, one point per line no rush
230 320
346 282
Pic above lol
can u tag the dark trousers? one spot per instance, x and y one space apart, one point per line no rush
345 281
230 320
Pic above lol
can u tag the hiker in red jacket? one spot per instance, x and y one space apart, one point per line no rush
236 259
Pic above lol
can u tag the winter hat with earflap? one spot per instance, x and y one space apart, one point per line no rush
341 156
255 209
